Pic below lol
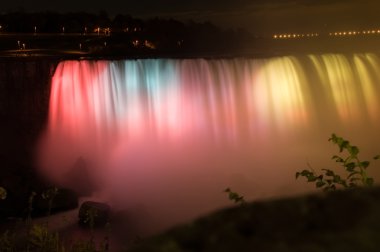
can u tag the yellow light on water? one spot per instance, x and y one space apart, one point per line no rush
279 92
365 64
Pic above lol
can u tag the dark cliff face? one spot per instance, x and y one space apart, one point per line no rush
24 103
24 86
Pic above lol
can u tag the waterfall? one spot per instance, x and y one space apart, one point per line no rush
166 136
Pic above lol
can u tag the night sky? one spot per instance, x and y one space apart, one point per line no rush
260 16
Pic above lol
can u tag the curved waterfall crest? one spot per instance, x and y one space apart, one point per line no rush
151 128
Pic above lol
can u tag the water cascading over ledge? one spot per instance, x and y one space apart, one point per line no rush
164 137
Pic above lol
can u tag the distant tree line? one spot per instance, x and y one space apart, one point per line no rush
164 34
53 22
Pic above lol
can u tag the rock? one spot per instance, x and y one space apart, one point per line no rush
94 214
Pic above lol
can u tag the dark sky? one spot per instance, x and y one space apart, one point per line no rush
261 16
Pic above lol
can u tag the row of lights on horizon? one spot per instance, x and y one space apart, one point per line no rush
294 35
351 33
338 33
136 43
97 30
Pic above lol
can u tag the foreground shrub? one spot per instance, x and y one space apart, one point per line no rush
355 169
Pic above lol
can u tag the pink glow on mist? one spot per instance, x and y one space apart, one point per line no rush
165 137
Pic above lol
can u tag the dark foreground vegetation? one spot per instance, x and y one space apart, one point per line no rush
346 220
337 221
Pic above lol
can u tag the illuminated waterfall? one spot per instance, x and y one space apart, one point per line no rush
170 135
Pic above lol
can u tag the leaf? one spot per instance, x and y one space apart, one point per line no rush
344 145
319 184
333 138
376 157
337 179
339 141
353 150
364 164
311 178
306 173
350 166
328 172
338 159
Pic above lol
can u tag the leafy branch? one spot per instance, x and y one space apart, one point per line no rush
235 197
355 169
